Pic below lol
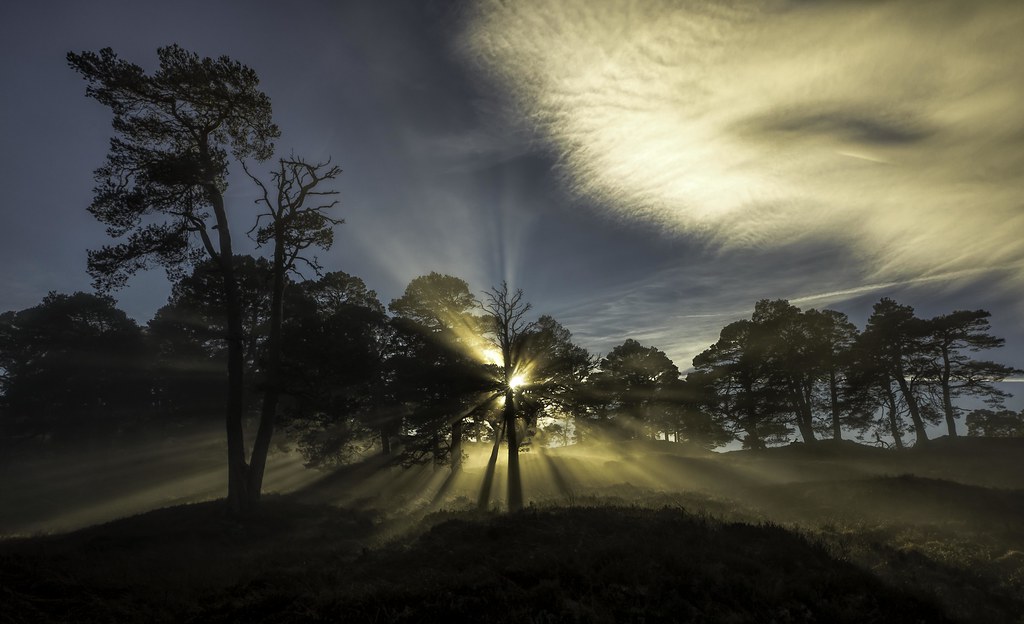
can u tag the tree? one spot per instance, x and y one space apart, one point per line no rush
790 358
197 302
296 221
637 390
953 334
556 369
1001 424
72 363
439 303
188 333
736 384
436 367
870 389
165 172
189 366
894 345
832 336
506 312
332 366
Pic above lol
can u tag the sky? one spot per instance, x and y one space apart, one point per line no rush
641 169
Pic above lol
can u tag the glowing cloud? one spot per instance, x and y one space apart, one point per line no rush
894 128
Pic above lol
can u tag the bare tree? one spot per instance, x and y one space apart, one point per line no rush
295 221
507 312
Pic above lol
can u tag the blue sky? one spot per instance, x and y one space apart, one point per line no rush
640 169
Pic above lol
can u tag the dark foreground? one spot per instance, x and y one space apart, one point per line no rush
848 546
301 563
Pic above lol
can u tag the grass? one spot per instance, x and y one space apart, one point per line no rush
298 563
848 543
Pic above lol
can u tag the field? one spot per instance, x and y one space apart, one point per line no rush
628 532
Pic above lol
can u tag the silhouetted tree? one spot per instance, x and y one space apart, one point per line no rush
895 345
1001 424
189 334
831 336
952 335
637 390
189 366
736 384
296 220
556 369
788 347
333 369
506 312
197 303
72 363
166 172
435 366
870 389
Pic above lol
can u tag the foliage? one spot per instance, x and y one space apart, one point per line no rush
734 383
174 130
995 424
895 348
436 378
332 368
957 374
557 371
165 172
70 363
637 393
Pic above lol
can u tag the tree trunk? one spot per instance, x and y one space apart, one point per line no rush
237 468
947 401
806 429
804 417
833 390
272 390
515 482
894 426
456 445
753 439
385 441
485 487
915 410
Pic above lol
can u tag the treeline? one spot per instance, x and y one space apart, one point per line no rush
815 372
436 368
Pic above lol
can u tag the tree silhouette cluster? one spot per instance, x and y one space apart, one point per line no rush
251 339
434 374
161 192
814 371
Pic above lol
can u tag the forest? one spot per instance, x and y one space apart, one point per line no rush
435 368
840 501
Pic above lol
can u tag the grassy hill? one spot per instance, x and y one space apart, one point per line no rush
306 563
640 532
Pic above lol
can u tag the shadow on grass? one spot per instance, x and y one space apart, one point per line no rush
298 563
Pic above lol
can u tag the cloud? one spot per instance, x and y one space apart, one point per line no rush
682 309
894 129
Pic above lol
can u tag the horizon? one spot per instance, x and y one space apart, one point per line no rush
624 179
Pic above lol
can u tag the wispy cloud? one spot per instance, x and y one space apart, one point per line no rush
894 129
682 309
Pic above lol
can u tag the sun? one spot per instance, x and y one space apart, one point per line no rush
517 381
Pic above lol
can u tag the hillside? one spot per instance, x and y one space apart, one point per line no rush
637 533
302 563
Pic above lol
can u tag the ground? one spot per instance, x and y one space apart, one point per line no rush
635 532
